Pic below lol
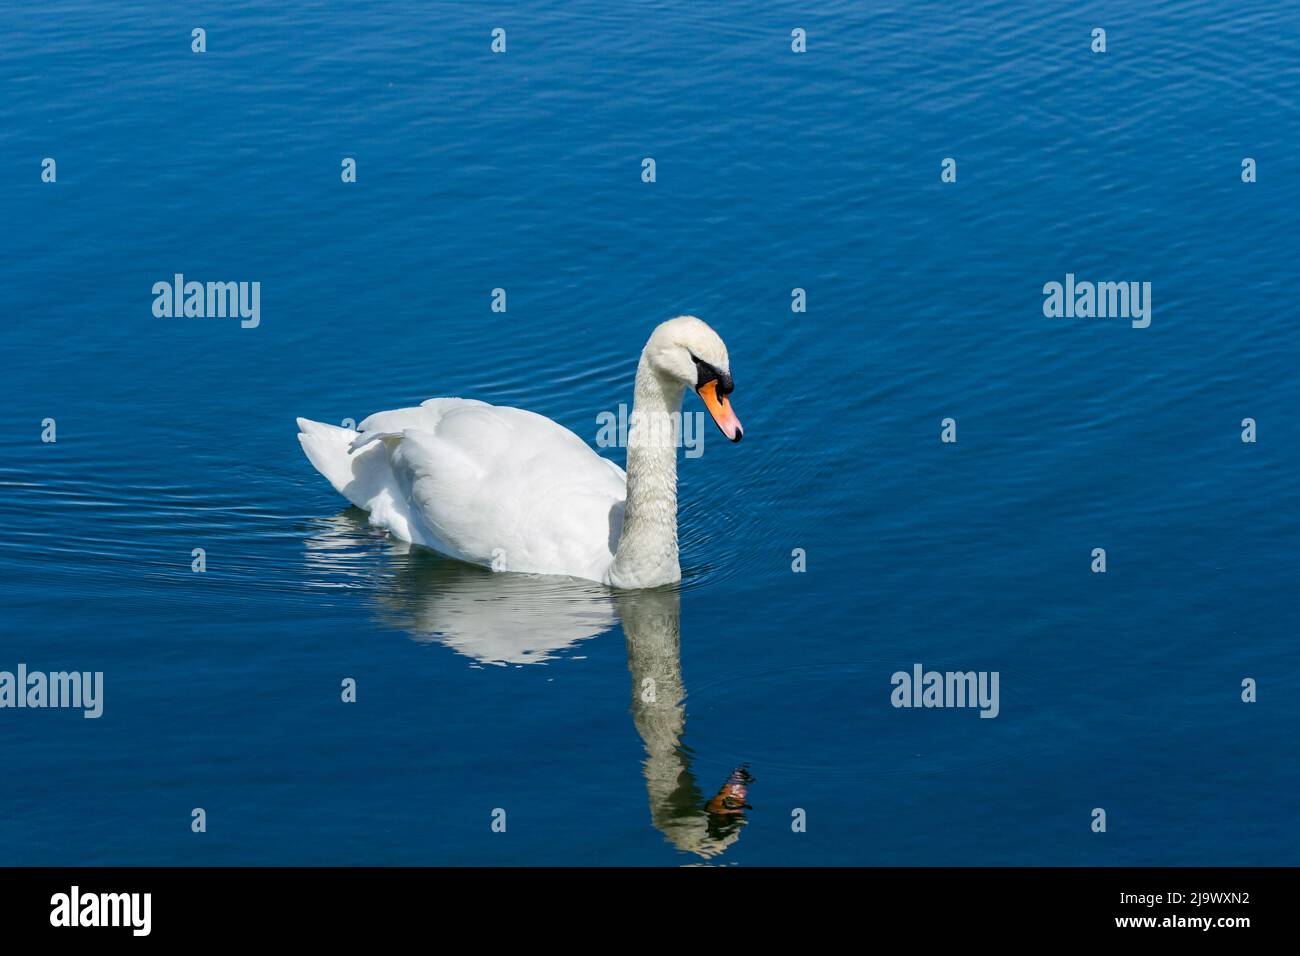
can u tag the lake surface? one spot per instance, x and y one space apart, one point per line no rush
774 171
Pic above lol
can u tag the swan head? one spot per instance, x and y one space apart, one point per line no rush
688 351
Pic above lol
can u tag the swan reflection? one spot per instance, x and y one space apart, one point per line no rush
510 619
678 808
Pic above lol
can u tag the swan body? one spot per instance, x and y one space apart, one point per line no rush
515 491
487 484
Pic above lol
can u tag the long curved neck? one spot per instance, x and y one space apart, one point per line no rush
647 547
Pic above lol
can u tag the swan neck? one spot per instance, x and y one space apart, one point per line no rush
647 547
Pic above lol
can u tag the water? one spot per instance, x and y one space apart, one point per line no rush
774 171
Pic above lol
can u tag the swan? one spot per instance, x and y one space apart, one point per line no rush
515 491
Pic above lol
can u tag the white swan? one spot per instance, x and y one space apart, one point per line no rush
515 491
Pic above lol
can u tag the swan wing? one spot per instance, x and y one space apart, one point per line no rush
513 490
488 484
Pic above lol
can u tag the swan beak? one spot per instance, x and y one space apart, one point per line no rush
720 408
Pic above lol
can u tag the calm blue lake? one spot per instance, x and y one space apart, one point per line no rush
774 171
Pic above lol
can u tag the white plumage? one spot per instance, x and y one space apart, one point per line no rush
487 484
515 491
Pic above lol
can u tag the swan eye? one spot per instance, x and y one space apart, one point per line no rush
706 372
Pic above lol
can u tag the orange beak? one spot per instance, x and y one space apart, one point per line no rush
720 409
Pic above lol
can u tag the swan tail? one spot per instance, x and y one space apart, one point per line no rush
357 477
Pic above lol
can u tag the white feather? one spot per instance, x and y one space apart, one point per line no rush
488 484
515 491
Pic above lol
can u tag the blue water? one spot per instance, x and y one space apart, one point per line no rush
775 170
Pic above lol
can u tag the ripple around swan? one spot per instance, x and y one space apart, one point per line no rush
119 518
